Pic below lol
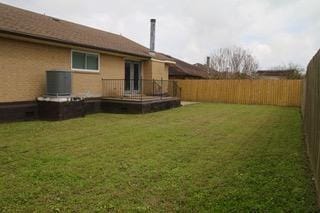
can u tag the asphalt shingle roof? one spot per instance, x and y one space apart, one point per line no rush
22 22
183 68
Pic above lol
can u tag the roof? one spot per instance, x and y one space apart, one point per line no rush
276 72
205 67
182 68
21 22
161 56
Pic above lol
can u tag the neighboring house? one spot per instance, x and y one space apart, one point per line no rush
31 44
216 75
212 72
274 74
184 70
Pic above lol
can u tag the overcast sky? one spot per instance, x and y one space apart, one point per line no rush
276 31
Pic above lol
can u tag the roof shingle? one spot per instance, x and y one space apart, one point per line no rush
182 68
27 23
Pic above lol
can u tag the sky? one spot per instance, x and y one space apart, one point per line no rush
276 32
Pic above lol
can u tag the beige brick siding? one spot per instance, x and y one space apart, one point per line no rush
112 67
155 70
90 84
23 65
86 84
22 68
147 68
159 70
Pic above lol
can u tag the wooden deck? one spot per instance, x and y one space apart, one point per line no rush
138 105
139 99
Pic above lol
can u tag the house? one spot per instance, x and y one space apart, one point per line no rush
32 43
222 75
275 74
183 70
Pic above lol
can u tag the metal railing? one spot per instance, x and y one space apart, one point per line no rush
140 89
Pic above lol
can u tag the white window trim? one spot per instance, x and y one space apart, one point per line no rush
85 70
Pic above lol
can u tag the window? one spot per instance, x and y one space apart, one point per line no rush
85 61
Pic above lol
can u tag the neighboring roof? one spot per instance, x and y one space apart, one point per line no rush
275 72
182 68
205 67
161 56
17 21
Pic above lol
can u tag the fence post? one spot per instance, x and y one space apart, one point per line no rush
173 86
131 86
152 87
140 85
161 89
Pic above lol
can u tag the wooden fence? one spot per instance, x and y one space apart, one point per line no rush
269 92
311 116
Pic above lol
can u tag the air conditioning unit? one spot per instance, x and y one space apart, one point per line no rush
58 83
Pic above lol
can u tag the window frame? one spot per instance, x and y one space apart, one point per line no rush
86 53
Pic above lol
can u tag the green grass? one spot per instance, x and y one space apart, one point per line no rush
204 157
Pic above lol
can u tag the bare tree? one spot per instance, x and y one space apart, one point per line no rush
233 60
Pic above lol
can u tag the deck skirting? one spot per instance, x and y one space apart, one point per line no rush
35 110
138 107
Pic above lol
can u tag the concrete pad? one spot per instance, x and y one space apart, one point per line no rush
185 103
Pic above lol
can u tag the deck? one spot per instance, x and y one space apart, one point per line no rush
138 105
139 95
138 99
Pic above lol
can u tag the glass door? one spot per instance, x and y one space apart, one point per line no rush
132 77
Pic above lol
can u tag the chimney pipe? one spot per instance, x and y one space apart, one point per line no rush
152 34
208 61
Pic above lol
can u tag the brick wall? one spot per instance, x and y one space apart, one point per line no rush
23 65
23 68
159 70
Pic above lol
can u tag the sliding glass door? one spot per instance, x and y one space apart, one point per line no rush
132 77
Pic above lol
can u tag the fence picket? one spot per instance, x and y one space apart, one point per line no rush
270 92
311 116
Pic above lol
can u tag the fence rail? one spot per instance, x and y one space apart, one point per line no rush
268 92
311 116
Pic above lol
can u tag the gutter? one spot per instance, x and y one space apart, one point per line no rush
163 61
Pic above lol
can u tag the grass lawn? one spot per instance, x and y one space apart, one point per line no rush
201 157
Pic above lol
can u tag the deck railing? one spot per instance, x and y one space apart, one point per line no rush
139 89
